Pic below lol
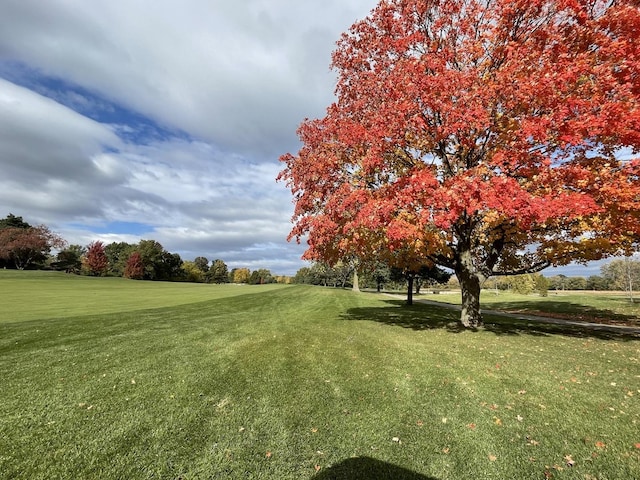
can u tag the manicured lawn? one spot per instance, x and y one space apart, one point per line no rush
306 382
36 295
601 307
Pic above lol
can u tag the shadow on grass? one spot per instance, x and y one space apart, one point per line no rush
429 317
568 310
365 468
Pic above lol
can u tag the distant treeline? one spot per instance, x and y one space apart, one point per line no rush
23 246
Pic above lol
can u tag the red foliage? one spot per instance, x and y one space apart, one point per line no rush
95 260
489 140
24 246
135 267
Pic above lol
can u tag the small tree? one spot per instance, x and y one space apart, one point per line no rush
623 274
134 268
95 260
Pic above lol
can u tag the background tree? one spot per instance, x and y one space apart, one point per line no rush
25 247
118 254
240 275
11 221
192 272
134 269
422 275
202 263
596 282
623 274
261 276
95 261
485 134
69 259
219 272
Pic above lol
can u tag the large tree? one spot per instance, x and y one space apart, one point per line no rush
490 137
28 246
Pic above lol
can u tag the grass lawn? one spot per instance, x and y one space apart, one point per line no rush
301 382
600 307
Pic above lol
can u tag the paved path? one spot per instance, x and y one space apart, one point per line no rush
533 318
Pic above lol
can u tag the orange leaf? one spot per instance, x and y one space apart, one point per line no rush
472 426
600 444
492 458
268 454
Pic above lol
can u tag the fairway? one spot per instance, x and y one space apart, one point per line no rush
299 382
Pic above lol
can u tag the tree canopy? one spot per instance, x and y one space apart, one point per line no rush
488 137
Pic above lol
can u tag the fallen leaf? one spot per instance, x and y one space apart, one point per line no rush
519 418
268 454
522 392
472 426
637 445
570 461
314 430
396 439
600 444
446 450
419 423
317 468
492 458
497 421
444 419
133 381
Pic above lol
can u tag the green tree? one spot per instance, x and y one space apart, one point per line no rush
118 253
623 274
597 282
219 272
261 276
69 259
202 263
13 222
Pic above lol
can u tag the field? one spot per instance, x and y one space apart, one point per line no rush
113 379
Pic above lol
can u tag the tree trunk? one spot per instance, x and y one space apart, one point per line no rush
410 290
356 286
470 282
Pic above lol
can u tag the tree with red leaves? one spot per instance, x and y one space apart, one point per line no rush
135 267
27 246
95 260
487 137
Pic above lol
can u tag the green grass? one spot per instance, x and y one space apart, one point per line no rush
602 307
307 383
32 295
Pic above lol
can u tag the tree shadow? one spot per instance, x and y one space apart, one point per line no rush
415 317
365 468
430 317
568 310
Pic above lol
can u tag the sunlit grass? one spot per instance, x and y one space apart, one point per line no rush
304 382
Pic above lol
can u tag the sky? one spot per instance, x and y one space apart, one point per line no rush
124 120
164 120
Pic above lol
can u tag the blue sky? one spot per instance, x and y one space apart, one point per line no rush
120 122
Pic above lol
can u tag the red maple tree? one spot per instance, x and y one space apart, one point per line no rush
26 246
134 268
491 138
95 260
